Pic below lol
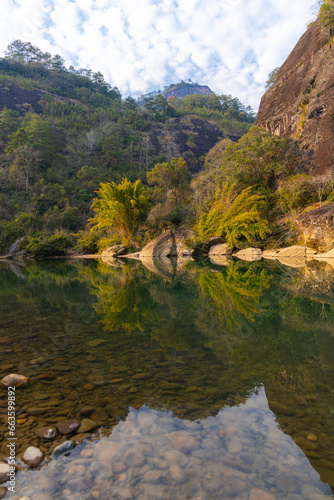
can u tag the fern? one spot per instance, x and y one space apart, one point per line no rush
234 217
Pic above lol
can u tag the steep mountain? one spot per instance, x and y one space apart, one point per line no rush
182 89
63 131
300 104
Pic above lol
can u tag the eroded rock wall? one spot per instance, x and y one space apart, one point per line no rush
300 104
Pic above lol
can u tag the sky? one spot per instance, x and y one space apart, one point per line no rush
141 46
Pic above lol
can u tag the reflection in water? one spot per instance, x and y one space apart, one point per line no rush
235 292
240 453
199 345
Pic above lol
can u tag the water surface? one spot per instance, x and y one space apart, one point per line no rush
203 381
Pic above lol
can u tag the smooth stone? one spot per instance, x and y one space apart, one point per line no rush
235 486
154 476
86 426
80 484
86 410
132 458
142 376
13 380
305 443
177 474
176 457
33 456
233 444
67 426
211 485
46 432
76 471
96 342
63 448
4 469
312 437
3 491
88 387
79 438
183 441
281 409
41 396
60 368
116 381
256 494
99 415
325 464
6 367
34 412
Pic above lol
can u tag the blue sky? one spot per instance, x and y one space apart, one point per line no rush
230 45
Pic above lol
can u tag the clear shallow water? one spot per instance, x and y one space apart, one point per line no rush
203 382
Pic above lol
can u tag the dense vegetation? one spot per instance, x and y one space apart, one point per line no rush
53 161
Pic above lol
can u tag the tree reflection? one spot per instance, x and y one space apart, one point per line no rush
235 292
123 299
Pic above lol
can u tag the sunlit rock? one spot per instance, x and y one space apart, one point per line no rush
33 456
13 380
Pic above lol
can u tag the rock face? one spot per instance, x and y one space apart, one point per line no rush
162 246
191 138
300 104
22 100
181 90
317 227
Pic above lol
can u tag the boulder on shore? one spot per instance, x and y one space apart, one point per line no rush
163 245
220 249
293 251
249 254
114 251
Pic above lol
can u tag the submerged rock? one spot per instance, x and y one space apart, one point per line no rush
4 470
63 448
68 426
13 380
33 456
183 441
46 432
86 426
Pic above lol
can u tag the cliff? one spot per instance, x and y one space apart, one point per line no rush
300 104
183 89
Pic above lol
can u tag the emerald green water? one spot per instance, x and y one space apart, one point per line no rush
201 381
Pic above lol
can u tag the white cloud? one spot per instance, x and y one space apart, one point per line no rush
231 45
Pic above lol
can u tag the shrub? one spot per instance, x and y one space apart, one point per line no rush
234 216
56 245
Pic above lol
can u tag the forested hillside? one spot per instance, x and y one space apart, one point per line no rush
63 131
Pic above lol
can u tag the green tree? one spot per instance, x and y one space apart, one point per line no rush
36 132
234 216
258 159
120 208
8 123
171 176
272 77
